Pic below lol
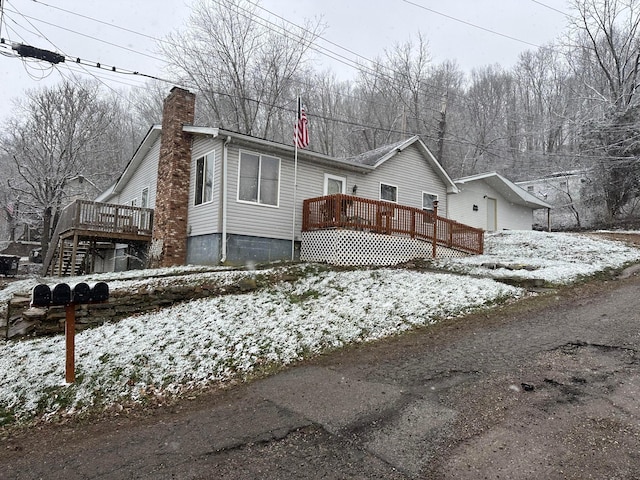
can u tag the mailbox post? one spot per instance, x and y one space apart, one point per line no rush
63 295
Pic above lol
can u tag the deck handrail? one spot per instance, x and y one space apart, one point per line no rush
379 216
105 217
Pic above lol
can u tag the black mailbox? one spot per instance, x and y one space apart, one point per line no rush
81 293
61 294
100 292
41 296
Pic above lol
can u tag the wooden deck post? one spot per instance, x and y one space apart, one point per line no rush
60 256
74 252
435 229
413 225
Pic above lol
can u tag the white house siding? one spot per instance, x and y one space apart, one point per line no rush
268 221
409 171
509 216
204 219
145 176
515 217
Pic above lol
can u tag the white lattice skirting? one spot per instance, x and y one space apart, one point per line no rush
353 248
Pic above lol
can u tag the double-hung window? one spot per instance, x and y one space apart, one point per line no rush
204 179
259 179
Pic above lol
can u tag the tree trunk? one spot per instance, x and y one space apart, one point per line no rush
46 232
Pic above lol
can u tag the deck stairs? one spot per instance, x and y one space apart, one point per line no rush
67 267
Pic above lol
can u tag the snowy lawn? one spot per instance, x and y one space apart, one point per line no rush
214 341
556 258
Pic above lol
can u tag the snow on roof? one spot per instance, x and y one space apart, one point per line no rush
377 155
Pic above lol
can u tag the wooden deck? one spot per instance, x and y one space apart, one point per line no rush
105 221
86 221
350 212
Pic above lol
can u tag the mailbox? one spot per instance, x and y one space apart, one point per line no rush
100 292
81 293
41 296
61 294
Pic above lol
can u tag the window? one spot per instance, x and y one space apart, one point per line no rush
204 179
334 184
427 200
134 202
145 198
388 192
259 179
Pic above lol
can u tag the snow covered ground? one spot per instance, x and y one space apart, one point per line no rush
217 340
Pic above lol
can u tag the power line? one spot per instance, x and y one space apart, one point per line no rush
479 27
551 8
109 24
87 36
323 51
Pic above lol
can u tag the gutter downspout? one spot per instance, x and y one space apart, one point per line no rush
223 252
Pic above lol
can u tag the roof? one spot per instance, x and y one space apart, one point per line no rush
505 187
377 157
374 157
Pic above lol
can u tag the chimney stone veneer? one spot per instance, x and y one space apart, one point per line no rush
169 237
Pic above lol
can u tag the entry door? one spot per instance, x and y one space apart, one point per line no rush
492 214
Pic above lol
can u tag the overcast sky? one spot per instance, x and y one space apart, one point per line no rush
363 27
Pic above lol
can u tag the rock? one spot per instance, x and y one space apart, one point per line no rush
247 284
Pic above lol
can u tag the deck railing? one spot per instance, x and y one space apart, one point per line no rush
350 212
106 217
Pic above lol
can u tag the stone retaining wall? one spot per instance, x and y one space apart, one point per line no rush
44 321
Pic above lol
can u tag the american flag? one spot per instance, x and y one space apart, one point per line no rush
301 130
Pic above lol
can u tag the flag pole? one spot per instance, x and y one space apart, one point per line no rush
295 184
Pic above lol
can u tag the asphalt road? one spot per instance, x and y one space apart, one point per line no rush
547 388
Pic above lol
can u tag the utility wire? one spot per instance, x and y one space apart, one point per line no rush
552 8
484 29
88 36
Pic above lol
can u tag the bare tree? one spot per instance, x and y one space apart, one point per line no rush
58 136
245 69
607 36
607 31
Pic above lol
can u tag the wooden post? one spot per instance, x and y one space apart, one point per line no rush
413 224
435 229
70 342
74 254
60 257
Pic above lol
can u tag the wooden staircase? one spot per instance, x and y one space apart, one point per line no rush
67 266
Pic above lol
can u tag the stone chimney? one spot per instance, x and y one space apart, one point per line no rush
169 237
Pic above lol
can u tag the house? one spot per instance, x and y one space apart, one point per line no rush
492 202
215 196
566 191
